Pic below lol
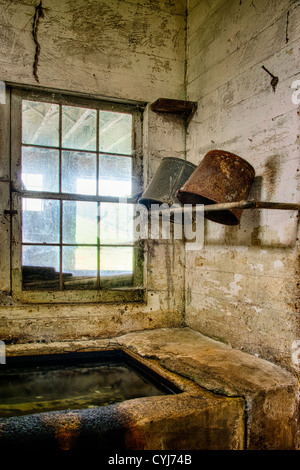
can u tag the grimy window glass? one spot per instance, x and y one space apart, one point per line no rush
77 176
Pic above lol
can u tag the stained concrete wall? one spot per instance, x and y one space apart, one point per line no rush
122 50
128 50
242 287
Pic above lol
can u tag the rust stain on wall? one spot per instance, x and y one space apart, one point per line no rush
66 427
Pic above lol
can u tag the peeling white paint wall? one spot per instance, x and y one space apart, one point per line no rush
244 285
122 49
116 49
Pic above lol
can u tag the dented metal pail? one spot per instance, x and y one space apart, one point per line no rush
171 174
219 178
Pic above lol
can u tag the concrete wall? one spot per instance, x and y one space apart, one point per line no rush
242 287
123 50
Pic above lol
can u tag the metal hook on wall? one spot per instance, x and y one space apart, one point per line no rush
274 80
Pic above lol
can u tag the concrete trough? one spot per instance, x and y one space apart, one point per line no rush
188 417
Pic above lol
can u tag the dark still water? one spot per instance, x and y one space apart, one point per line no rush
26 390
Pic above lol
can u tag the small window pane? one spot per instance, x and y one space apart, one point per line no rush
79 173
79 128
115 132
116 266
40 220
116 223
81 263
40 169
40 123
40 267
115 176
80 222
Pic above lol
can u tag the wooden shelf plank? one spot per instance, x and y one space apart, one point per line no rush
179 107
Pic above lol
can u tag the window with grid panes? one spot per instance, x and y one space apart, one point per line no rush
75 175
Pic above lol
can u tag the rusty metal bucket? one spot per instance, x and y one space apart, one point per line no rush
219 178
171 174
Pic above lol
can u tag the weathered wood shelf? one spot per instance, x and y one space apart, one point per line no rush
179 107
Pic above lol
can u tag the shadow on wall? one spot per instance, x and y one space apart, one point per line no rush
258 227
